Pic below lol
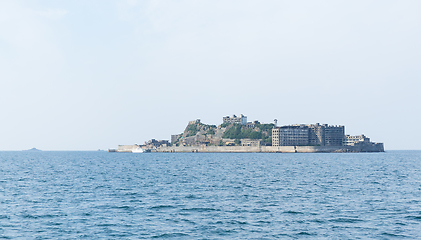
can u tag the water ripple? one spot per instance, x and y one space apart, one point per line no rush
91 195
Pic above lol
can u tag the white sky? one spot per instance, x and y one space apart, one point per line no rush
87 75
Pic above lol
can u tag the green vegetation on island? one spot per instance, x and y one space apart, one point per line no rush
198 127
259 131
243 136
226 134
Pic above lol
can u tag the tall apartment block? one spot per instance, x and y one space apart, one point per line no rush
334 135
308 135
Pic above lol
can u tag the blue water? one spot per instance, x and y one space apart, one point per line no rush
91 195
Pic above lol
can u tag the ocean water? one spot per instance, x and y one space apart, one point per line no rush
100 195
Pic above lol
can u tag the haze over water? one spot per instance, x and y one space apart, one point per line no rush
88 195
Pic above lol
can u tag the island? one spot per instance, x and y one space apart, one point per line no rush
235 134
33 150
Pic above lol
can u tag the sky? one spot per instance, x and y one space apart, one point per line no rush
88 75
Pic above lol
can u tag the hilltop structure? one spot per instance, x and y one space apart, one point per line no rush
234 119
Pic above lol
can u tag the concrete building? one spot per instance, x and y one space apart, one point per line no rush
352 140
334 135
275 136
308 135
234 119
251 142
251 124
316 134
293 136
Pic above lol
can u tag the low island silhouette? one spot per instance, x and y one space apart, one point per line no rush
235 134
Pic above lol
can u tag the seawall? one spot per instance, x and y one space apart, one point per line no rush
378 147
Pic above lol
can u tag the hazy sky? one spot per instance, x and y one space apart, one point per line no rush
87 75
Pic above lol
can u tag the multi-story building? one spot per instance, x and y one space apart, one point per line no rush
293 136
316 135
352 140
334 135
275 136
308 135
234 119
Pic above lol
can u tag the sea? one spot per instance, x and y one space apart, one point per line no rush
101 195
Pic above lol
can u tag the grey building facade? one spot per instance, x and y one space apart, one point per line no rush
334 135
293 136
308 135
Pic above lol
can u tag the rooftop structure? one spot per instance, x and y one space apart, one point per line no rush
234 119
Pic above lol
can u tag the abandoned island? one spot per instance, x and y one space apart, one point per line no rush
235 134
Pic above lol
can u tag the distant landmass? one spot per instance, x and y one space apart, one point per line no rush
236 134
33 150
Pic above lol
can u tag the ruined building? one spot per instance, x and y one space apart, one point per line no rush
234 119
308 135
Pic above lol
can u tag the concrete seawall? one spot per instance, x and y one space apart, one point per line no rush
271 149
